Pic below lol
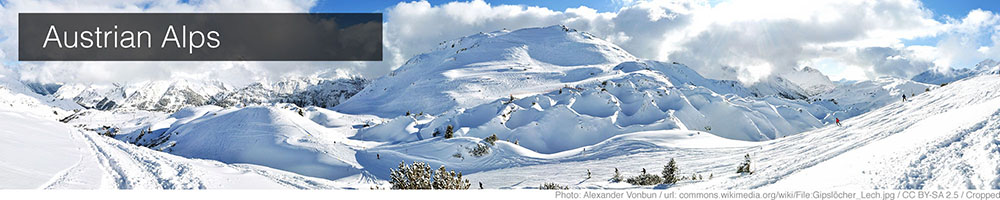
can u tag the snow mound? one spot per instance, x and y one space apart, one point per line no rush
637 96
261 135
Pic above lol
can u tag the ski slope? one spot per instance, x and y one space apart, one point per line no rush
944 139
45 154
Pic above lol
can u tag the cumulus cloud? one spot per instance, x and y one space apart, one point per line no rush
969 40
739 40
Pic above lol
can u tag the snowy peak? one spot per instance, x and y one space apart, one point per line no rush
810 80
483 67
988 66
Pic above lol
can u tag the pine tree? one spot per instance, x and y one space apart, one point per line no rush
419 176
445 180
670 172
449 132
410 177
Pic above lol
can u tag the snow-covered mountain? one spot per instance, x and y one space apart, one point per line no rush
522 85
937 77
480 68
173 95
301 91
562 103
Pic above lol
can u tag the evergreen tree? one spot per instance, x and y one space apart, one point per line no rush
449 132
670 172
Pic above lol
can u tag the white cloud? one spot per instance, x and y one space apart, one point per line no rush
850 39
753 38
969 40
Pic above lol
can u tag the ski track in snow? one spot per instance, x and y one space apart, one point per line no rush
785 158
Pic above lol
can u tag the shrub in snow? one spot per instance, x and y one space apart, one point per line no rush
491 139
418 176
411 177
644 179
445 180
436 133
670 172
480 150
745 166
449 132
552 186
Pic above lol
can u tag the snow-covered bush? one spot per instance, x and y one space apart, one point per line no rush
745 166
445 180
644 179
480 150
670 172
553 186
418 177
491 139
411 177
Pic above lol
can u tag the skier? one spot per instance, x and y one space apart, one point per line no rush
480 185
904 97
838 121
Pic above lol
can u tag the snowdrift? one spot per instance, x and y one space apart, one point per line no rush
261 135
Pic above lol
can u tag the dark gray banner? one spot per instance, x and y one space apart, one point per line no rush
199 36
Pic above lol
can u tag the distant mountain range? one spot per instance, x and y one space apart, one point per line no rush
934 76
170 96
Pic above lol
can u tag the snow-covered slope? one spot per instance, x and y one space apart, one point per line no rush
45 154
639 96
943 139
16 97
857 98
261 135
555 89
481 68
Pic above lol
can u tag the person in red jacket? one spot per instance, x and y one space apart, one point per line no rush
838 121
